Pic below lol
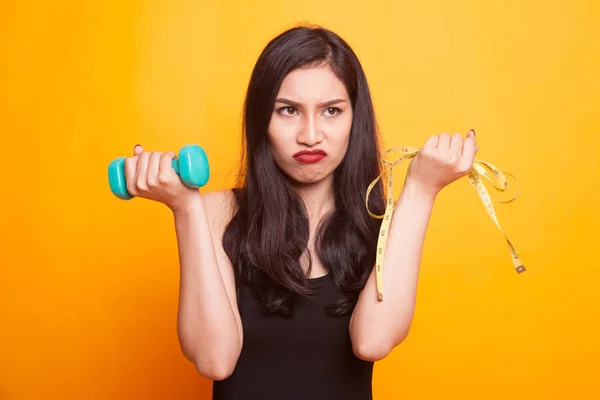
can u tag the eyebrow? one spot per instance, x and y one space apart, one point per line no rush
296 104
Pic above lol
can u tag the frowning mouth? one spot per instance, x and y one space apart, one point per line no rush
310 156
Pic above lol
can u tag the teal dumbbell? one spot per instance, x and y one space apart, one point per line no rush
191 166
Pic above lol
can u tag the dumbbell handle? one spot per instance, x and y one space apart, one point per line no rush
191 166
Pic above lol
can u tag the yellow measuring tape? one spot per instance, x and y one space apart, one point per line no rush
480 168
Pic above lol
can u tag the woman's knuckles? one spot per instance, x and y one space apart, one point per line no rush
165 179
442 159
141 184
451 160
132 188
130 164
438 166
153 182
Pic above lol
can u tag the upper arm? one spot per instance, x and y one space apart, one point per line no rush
220 206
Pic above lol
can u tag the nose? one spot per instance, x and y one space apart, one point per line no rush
310 132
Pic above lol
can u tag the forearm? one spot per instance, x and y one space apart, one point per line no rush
377 326
207 326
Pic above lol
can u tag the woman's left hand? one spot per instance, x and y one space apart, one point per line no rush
442 160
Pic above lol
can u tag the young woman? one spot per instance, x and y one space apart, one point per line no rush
278 294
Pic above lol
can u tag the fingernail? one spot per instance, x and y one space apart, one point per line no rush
134 147
473 130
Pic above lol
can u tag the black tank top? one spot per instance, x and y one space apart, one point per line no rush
304 357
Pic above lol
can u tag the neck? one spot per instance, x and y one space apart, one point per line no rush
318 198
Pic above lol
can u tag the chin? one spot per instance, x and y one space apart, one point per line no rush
305 179
307 174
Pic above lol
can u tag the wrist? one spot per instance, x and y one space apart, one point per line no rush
186 205
414 190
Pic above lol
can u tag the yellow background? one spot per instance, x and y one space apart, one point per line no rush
88 283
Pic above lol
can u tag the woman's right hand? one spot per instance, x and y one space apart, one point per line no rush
150 175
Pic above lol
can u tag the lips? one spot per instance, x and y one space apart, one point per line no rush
310 152
310 156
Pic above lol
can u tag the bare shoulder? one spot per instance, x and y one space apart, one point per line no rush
220 206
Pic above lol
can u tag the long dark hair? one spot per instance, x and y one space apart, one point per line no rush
269 232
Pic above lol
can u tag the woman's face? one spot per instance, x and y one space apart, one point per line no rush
312 114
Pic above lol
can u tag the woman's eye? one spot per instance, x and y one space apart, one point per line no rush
288 110
331 111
